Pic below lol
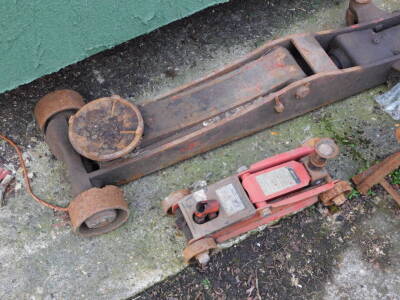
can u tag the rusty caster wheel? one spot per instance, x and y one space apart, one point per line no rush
199 250
98 210
350 18
54 103
170 203
337 195
106 128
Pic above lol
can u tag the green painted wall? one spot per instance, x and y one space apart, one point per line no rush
38 37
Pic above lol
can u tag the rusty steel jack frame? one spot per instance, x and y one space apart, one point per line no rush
279 81
377 174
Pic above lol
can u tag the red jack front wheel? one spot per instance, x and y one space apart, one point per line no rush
337 195
199 250
170 203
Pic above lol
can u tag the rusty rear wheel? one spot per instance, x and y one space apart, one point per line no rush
106 129
56 102
337 195
199 250
170 203
98 211
350 18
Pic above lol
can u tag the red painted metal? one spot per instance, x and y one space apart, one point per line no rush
268 191
278 159
257 220
4 173
252 182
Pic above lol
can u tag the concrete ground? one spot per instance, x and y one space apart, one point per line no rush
39 256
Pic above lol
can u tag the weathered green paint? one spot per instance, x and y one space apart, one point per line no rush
40 37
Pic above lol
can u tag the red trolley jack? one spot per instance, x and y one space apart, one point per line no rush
266 192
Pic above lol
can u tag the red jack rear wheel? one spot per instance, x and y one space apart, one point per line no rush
170 203
337 195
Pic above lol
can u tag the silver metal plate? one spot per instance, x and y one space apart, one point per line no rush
277 180
229 199
234 206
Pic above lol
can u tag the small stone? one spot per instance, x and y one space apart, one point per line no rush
199 185
340 218
242 169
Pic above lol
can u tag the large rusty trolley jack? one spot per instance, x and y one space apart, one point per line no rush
277 82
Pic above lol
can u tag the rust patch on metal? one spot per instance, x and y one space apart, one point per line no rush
361 11
302 91
106 129
337 195
189 147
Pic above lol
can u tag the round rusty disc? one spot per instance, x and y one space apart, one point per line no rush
171 201
198 247
326 148
106 128
56 102
341 188
98 210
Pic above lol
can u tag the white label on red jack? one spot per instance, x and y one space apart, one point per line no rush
229 199
277 180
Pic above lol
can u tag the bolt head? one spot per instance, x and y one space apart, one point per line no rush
376 40
302 92
279 108
266 211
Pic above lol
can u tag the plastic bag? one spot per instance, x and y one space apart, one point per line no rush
390 102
